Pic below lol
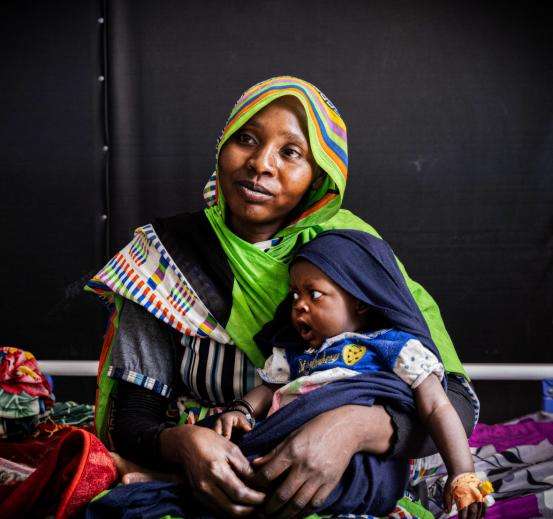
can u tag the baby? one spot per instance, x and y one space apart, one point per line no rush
339 310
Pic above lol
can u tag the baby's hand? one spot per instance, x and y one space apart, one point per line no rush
468 493
232 419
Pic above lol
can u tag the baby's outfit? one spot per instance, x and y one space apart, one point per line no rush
347 355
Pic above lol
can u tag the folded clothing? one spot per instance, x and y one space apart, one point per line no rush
25 393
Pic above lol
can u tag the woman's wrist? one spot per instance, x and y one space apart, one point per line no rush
369 429
172 443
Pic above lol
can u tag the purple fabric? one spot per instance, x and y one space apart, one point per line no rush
505 436
517 458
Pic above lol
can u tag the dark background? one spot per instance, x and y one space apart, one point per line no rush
449 107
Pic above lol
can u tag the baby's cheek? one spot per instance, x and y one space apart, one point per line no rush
332 326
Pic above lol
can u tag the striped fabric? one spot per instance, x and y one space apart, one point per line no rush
145 273
192 370
140 380
214 373
330 135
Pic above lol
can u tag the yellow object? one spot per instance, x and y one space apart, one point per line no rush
25 370
486 488
353 354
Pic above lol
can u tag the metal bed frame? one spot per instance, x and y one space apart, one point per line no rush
540 372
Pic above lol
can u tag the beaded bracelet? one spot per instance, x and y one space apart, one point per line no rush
244 407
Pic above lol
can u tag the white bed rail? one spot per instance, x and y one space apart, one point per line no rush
81 368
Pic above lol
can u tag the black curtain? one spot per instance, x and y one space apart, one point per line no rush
449 108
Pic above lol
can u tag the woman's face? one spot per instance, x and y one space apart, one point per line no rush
265 169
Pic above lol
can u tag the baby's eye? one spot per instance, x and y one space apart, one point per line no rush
315 294
295 296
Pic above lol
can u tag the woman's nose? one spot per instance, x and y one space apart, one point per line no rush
263 160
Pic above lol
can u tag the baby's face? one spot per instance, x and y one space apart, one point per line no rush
320 308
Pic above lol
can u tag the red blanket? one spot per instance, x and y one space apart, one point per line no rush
72 467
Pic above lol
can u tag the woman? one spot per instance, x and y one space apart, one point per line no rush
190 292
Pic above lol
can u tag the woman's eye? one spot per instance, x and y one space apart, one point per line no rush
245 138
291 153
315 294
295 296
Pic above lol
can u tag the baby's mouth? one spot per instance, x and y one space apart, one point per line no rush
305 331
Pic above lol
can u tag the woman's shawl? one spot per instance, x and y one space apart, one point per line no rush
148 272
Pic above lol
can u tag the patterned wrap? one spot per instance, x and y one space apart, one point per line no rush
145 273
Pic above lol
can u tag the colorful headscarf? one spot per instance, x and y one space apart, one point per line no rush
25 393
327 140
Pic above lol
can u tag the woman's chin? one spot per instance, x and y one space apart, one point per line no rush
253 218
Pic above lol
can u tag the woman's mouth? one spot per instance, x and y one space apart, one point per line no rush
252 192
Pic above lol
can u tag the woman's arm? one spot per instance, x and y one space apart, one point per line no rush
212 465
140 430
139 417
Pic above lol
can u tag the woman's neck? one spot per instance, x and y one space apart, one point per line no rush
252 233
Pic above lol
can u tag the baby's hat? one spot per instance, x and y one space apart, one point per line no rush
365 266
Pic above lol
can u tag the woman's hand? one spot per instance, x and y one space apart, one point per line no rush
214 467
313 459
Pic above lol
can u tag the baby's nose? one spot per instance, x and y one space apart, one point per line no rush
300 306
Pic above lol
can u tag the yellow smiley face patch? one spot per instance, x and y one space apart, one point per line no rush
353 354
